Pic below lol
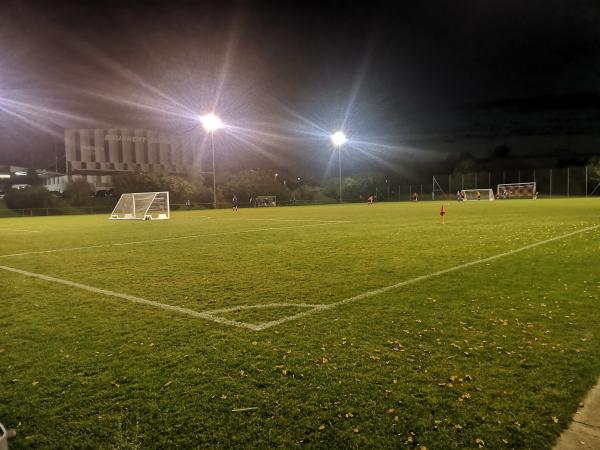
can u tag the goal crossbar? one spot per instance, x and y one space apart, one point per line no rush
265 200
477 194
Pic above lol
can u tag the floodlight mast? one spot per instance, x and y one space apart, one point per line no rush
339 138
211 122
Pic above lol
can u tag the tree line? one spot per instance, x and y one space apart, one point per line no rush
196 190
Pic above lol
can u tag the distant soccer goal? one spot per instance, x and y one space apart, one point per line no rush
266 200
142 206
516 190
477 194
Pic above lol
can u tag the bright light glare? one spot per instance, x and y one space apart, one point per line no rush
21 173
4 175
338 138
210 122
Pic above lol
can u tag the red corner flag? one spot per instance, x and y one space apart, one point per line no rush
443 213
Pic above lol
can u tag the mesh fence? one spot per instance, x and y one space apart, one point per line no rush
562 182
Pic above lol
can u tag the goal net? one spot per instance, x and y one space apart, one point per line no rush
266 200
516 190
477 194
142 206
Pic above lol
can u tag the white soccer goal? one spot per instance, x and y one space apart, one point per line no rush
477 194
266 200
516 190
142 206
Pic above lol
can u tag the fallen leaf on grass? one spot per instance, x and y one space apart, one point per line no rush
554 419
168 383
322 427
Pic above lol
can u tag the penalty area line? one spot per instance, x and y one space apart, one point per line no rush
319 308
134 299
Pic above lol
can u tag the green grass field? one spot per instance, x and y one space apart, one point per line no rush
495 354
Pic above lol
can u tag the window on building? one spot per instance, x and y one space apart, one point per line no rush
93 155
120 153
77 144
145 150
106 153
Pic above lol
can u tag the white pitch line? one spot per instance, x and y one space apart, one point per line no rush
209 315
192 236
319 308
263 306
290 220
134 299
21 231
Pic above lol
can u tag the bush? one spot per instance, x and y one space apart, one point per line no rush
29 197
78 193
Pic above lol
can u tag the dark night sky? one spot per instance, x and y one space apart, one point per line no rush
408 76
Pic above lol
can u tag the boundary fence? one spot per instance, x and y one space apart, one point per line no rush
562 182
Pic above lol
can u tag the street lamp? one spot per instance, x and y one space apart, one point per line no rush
339 138
211 122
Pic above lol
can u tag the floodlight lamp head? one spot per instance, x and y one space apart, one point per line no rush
210 122
338 138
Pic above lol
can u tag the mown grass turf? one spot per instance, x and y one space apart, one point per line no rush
496 355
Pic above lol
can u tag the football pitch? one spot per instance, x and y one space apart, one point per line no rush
334 326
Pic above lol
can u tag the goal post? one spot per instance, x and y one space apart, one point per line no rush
517 190
142 206
477 194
